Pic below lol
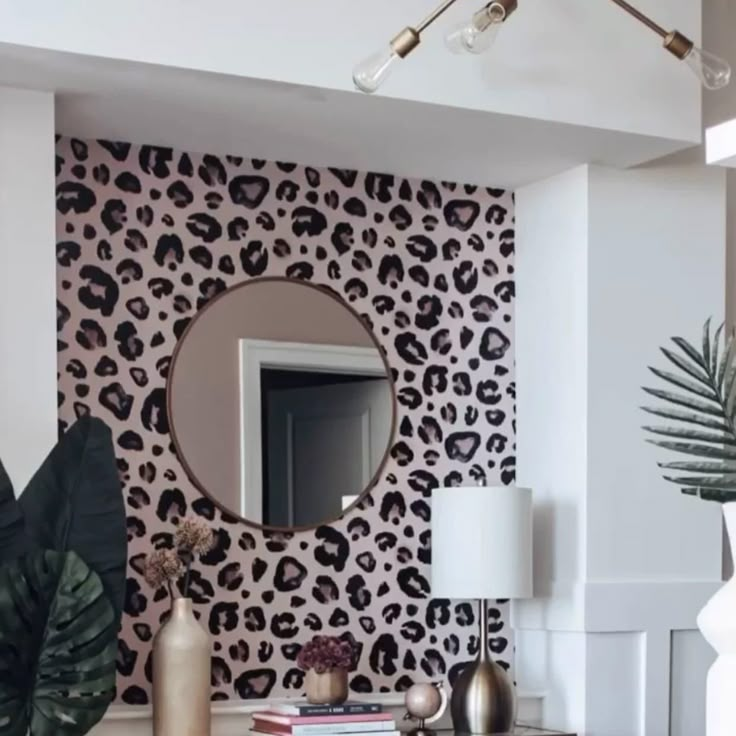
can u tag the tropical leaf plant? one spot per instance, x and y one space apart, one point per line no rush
58 643
700 414
59 618
74 503
13 539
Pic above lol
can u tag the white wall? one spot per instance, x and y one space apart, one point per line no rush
657 254
719 21
610 264
27 282
554 215
575 61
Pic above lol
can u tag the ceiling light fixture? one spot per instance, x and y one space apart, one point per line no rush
479 33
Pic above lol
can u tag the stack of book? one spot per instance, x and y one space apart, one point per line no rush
303 719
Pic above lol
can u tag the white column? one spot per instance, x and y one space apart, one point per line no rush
28 413
610 265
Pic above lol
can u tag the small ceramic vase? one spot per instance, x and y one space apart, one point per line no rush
181 675
326 688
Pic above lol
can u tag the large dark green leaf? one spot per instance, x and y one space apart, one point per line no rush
74 502
13 540
58 642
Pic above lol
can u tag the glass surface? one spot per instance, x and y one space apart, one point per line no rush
469 38
372 72
711 70
280 403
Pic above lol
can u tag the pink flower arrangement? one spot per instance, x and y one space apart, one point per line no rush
326 653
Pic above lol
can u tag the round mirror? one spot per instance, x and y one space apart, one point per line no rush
281 404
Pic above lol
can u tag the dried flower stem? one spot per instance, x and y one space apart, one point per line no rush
167 566
187 575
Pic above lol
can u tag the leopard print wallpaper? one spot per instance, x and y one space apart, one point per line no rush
146 236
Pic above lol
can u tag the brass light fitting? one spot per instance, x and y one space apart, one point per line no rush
405 41
678 44
478 33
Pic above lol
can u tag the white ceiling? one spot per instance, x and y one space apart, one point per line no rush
217 113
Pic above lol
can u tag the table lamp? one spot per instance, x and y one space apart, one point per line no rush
482 549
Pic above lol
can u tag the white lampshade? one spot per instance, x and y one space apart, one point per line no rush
482 542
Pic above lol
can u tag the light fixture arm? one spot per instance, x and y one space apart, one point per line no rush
675 42
407 39
436 13
477 36
645 19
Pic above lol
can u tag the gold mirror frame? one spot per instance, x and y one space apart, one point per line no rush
170 417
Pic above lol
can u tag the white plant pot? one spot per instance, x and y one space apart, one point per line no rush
717 621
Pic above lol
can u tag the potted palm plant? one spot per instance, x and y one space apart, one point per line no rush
698 402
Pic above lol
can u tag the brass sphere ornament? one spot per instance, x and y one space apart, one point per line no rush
425 702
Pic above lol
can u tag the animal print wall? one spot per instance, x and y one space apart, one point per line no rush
146 236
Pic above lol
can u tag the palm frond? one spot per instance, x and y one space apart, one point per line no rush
712 409
729 391
693 435
721 482
717 452
706 346
687 417
726 361
686 366
691 352
715 348
722 468
685 385
708 401
708 494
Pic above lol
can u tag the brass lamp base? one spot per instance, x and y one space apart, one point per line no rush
483 696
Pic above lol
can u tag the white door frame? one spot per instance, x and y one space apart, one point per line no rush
288 356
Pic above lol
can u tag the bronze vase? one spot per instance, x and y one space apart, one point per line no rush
326 688
181 675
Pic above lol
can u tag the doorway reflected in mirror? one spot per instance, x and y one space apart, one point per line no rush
305 415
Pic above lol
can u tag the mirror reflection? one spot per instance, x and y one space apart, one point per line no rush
280 403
